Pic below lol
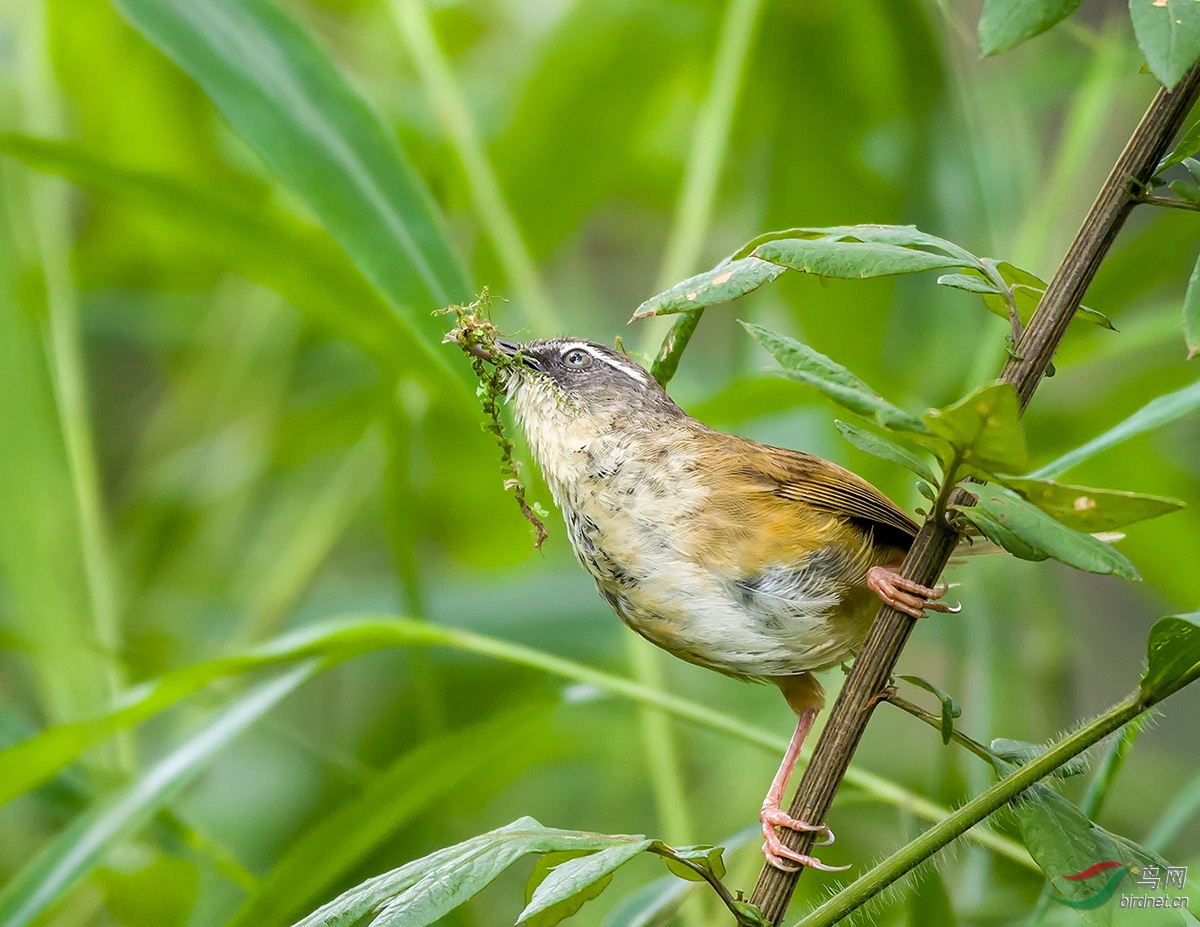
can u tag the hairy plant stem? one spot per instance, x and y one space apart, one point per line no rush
936 541
913 854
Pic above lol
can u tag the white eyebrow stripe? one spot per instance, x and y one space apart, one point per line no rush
630 370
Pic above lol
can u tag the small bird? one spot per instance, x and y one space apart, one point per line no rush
758 562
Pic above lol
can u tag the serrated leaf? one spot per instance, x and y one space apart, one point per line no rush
1005 24
723 283
572 882
984 428
850 260
950 708
1027 290
969 282
1191 313
802 363
285 97
1188 144
1168 32
1154 414
1172 656
881 447
1029 533
1090 510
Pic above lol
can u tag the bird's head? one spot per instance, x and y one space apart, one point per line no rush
567 392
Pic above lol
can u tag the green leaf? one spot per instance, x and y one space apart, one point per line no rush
423 777
1027 290
1191 313
969 282
74 852
708 858
1173 656
725 282
575 881
1168 32
1090 510
984 428
1186 190
568 906
428 888
1153 414
1064 842
1005 24
1027 532
950 708
651 904
901 236
877 446
802 363
284 96
254 239
1188 144
850 260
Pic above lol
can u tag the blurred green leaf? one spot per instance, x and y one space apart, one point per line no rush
887 450
576 880
426 775
1191 313
1188 144
1153 414
428 888
1186 189
160 892
850 260
984 429
1090 510
1027 532
802 363
255 239
283 94
652 904
723 283
950 708
1178 814
1064 843
929 904
897 236
1168 32
48 877
708 858
1005 24
1173 656
1027 290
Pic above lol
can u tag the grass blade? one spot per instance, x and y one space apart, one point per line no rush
283 94
51 874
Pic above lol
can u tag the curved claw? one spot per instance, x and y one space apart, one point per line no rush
776 852
905 595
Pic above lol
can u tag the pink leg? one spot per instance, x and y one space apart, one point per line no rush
772 815
904 595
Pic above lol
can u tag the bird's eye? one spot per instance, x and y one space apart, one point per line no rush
577 358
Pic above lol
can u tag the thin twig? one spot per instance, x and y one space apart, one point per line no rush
936 542
1152 199
936 723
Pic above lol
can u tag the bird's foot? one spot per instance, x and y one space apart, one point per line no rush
778 854
907 596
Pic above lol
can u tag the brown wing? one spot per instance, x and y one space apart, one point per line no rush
822 486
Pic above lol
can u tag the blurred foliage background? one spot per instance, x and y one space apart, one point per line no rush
213 431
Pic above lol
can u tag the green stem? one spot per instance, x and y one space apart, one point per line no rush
936 723
710 141
963 819
1169 202
452 112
